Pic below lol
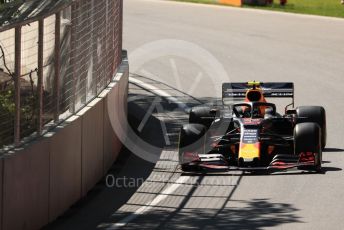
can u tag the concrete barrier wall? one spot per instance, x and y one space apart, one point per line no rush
65 166
26 187
42 180
111 140
92 144
1 190
117 118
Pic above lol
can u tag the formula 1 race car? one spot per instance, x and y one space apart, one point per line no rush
251 135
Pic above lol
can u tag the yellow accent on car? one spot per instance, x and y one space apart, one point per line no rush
249 151
253 83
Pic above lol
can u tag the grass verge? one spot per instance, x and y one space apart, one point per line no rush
332 8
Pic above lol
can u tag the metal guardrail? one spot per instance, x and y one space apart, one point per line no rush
55 56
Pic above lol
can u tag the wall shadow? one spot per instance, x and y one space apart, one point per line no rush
253 214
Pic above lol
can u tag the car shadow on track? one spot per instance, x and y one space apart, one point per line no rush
332 150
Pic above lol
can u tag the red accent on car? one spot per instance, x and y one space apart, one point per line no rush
191 156
212 166
279 163
307 157
214 145
252 121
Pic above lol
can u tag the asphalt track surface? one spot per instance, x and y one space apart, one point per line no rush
249 45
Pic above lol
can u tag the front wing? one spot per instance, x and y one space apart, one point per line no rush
279 163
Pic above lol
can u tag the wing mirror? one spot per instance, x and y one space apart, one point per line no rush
213 112
290 111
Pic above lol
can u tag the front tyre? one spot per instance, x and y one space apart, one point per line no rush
314 114
307 139
191 143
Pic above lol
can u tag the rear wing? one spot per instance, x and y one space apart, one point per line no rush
235 91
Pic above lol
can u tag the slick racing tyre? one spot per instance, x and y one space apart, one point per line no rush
307 138
315 114
191 141
201 115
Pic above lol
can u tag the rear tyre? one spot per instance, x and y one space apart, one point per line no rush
307 138
315 114
191 139
201 115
